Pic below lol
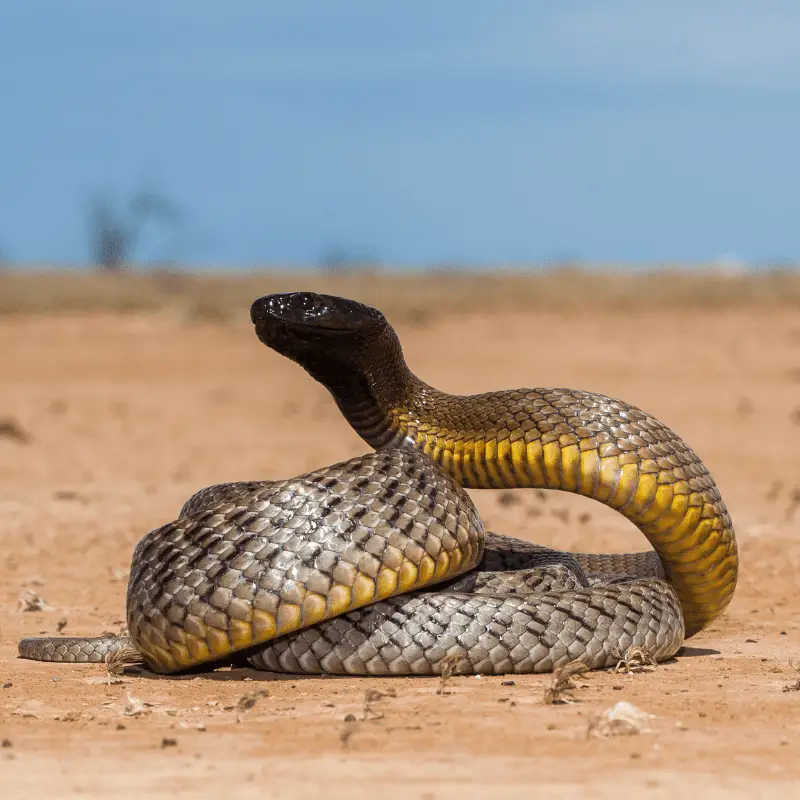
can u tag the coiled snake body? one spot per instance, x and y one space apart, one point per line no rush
380 565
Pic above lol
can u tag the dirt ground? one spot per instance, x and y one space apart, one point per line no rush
108 422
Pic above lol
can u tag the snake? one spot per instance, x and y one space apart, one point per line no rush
380 565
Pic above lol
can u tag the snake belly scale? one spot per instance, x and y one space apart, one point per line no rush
380 564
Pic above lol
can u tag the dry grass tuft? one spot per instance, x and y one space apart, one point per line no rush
636 659
125 658
562 688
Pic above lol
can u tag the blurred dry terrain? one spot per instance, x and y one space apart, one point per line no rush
121 395
415 296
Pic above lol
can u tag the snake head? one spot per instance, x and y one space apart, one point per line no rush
306 326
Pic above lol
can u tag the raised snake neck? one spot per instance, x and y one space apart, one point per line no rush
283 569
547 438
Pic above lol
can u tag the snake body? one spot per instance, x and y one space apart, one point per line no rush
380 564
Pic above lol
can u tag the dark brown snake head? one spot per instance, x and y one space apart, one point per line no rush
311 315
333 338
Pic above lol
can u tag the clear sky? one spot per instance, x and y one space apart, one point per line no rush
414 132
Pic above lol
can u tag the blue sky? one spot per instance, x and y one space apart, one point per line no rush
413 132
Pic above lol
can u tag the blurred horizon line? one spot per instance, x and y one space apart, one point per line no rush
722 265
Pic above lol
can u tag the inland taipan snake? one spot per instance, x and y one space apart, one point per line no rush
380 565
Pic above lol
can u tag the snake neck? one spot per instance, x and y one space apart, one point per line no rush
562 439
373 388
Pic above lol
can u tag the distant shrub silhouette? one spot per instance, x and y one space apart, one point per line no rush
115 230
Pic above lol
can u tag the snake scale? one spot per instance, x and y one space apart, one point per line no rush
380 565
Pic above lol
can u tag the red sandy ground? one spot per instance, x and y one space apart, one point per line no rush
129 415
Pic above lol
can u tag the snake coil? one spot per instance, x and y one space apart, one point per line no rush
380 564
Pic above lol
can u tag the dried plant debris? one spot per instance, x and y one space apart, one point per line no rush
449 667
774 491
636 659
793 687
125 658
247 701
136 707
508 498
349 727
186 725
622 719
11 429
562 687
61 624
794 503
372 696
108 680
30 601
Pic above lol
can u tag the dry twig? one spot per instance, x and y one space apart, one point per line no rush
562 688
448 665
